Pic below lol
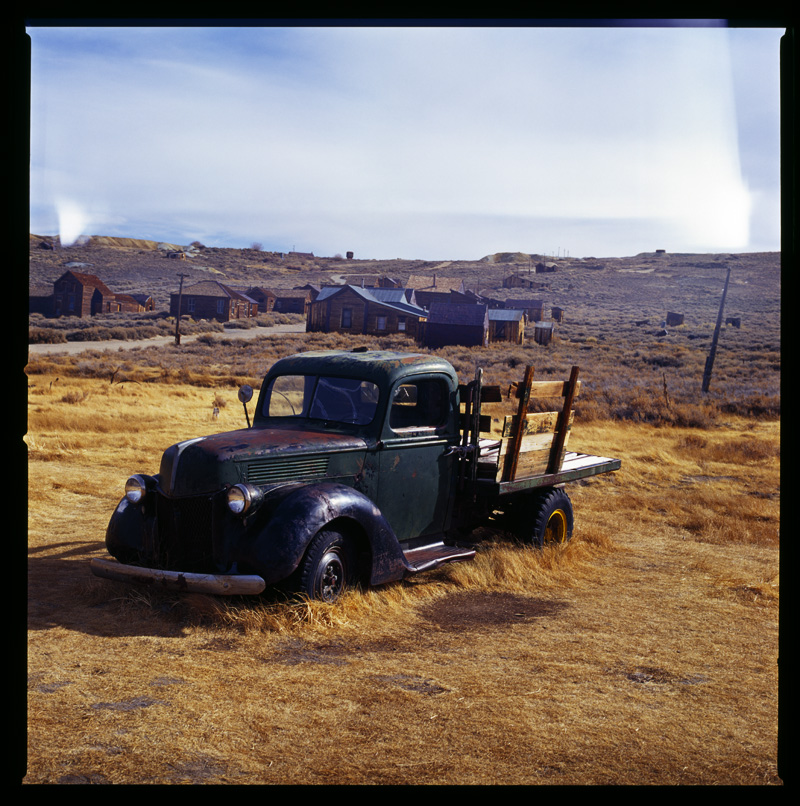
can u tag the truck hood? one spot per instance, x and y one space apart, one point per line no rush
258 455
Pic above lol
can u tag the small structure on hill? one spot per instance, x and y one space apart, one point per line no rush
674 319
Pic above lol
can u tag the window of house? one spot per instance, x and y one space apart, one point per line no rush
190 304
220 306
347 317
401 323
380 323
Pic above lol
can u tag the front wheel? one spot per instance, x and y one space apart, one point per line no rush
552 519
328 567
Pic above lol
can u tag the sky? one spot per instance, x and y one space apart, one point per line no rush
441 142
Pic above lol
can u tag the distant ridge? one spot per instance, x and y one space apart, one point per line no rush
118 243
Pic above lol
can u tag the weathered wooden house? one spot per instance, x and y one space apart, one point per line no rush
265 299
210 299
543 267
432 288
506 325
292 300
674 319
374 311
464 324
79 294
535 309
557 314
521 281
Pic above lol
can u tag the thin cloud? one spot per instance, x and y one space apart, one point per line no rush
395 142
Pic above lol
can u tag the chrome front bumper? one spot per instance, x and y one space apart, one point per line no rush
220 584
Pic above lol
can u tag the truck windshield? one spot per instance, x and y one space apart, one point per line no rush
342 400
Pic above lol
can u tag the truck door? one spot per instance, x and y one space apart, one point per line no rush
416 476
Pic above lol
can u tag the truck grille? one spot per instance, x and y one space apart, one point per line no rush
264 471
185 533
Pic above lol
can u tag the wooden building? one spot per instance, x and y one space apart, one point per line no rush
506 325
432 288
543 333
79 294
674 319
521 281
535 309
292 301
352 309
464 324
210 299
265 299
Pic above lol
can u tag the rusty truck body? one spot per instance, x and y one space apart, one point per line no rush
359 467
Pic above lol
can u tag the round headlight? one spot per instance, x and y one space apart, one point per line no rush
239 499
135 489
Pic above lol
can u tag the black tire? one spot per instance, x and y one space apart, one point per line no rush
328 567
552 519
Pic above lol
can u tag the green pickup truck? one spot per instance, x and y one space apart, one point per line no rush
359 467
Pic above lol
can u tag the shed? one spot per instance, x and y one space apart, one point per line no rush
464 324
557 314
506 325
543 333
356 310
674 319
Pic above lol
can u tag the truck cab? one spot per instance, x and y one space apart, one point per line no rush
355 445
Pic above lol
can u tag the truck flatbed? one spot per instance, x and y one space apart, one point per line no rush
574 466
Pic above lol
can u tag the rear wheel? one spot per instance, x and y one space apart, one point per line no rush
551 519
328 567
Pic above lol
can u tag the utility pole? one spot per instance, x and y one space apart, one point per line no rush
713 351
178 316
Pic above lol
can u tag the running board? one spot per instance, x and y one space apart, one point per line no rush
424 558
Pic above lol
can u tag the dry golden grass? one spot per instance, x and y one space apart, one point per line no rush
643 652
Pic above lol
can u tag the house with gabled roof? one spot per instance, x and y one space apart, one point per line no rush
362 311
79 294
210 299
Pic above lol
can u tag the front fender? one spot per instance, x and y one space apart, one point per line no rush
295 515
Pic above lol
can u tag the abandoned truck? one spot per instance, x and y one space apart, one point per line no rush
359 467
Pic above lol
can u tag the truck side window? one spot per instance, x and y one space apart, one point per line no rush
419 404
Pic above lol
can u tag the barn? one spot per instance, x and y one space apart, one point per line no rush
463 324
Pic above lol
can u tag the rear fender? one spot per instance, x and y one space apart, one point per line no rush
296 514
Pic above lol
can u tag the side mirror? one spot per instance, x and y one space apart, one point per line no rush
246 395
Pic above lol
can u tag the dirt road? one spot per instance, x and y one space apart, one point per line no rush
73 347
